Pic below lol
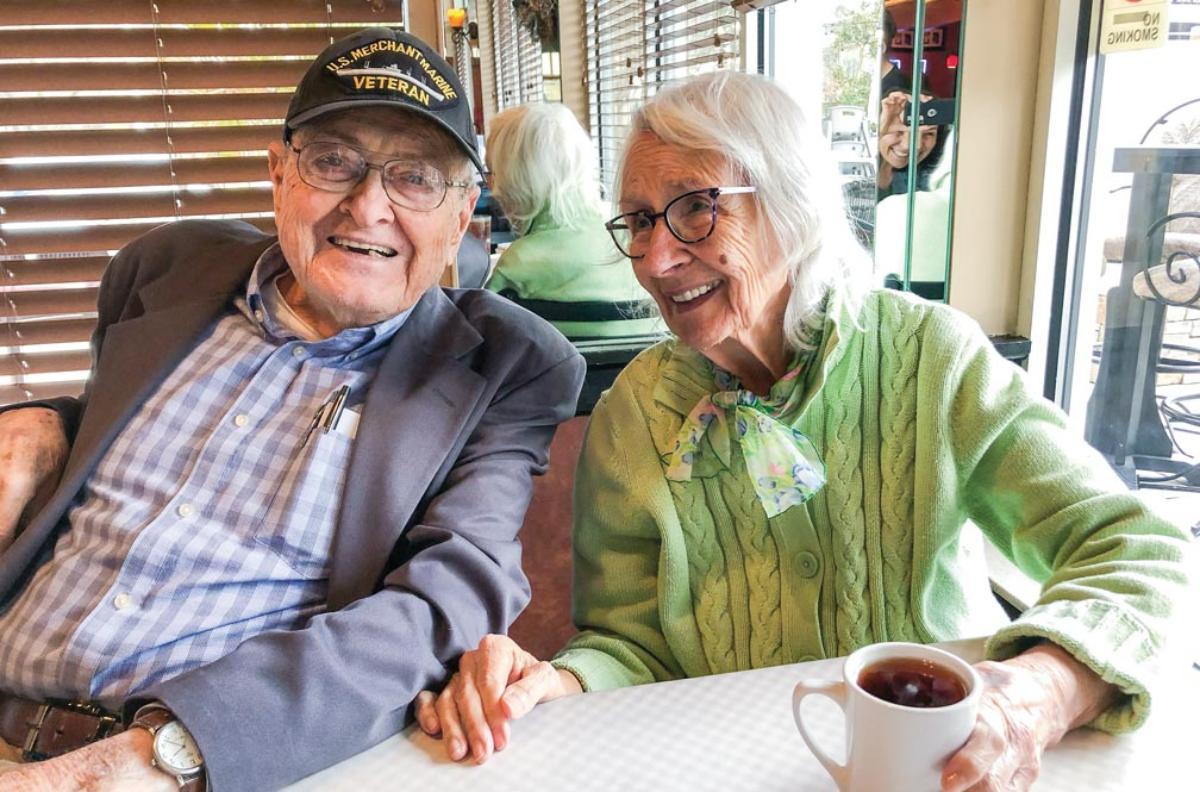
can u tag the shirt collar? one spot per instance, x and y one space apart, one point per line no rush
263 305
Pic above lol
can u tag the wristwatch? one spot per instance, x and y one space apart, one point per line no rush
175 752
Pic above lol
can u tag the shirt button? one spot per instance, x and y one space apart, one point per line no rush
297 352
184 509
122 601
240 420
258 315
807 564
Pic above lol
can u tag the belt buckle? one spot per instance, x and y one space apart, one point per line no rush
31 736
104 726
105 721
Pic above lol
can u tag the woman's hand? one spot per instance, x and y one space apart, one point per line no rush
891 111
495 683
1028 704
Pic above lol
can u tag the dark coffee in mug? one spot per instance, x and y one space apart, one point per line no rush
911 682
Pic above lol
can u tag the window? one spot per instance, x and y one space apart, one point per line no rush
123 115
1128 352
635 47
518 58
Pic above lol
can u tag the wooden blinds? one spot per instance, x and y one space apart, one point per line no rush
517 58
121 115
635 47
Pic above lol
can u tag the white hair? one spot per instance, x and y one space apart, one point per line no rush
542 161
761 131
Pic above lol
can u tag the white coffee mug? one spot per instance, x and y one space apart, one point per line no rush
890 747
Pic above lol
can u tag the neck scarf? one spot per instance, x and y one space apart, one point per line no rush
782 462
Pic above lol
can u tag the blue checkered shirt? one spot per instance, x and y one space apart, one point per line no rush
210 518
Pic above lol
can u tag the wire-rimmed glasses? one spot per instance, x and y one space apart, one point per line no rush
337 167
690 217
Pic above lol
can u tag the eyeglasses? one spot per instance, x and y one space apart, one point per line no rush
338 167
690 218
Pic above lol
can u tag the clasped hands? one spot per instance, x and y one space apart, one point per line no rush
1028 704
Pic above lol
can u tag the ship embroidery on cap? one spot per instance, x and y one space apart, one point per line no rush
399 75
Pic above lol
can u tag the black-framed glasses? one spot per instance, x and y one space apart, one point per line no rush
337 167
690 217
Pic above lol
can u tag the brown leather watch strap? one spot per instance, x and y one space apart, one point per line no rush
153 717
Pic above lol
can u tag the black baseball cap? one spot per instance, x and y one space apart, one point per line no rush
390 68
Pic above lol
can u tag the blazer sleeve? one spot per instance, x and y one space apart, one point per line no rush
286 704
1111 569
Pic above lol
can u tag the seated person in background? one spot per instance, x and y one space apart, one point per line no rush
789 478
293 486
892 174
544 178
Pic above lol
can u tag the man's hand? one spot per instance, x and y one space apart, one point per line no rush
495 683
118 764
33 451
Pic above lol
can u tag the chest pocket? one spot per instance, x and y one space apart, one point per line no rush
299 521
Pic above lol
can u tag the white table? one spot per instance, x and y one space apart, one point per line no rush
735 732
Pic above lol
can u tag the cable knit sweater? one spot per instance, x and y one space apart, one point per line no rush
926 432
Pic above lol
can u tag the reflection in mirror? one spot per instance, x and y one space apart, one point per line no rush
915 255
865 50
840 40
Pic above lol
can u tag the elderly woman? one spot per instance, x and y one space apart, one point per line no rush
544 178
789 477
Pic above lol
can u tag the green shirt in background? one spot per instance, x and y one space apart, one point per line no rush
573 264
926 433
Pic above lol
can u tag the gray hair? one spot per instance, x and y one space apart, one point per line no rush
542 161
763 133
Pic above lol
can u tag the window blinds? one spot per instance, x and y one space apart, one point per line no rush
118 116
517 58
635 47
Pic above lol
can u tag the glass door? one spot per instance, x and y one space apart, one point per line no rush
1129 373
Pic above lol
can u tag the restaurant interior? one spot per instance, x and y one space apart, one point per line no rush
1058 207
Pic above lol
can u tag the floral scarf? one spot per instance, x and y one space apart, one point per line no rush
783 463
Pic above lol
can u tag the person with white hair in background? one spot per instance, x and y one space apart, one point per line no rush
790 477
543 174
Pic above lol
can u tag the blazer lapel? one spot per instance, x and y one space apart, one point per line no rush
139 353
415 416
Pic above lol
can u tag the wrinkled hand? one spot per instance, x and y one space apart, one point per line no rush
33 451
117 764
495 683
1029 702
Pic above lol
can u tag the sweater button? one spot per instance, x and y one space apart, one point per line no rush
807 658
807 564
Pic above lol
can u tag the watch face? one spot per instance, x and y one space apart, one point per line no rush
175 749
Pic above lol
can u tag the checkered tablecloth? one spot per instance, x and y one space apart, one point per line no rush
734 732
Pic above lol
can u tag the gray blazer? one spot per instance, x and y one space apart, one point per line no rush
425 556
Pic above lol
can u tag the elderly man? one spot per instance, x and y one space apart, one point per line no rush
290 495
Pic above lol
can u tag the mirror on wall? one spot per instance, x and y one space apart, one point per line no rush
864 52
916 143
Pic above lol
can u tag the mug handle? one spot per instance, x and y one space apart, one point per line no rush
835 692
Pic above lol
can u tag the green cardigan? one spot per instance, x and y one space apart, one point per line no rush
573 264
923 427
